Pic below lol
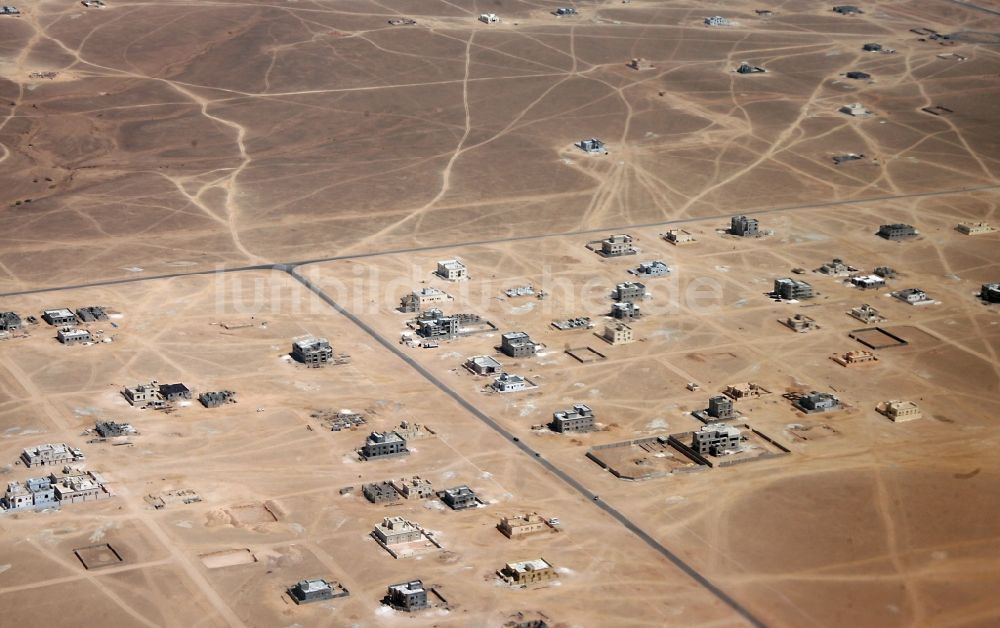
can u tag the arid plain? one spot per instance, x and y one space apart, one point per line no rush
326 160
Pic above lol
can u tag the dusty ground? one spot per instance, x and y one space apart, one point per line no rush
180 138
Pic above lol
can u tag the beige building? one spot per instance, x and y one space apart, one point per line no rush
527 572
855 358
414 488
975 228
678 236
520 525
618 333
396 530
899 411
744 390
74 486
419 300
800 323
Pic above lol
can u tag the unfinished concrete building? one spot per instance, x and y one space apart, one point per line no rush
897 231
9 321
855 109
638 63
59 317
111 429
452 270
817 402
172 393
380 492
990 292
913 296
142 395
717 20
744 227
523 525
459 497
855 358
655 268
847 9
407 596
629 292
592 146
625 311
312 351
721 407
50 454
383 445
91 314
517 344
527 572
422 299
579 418
858 75
618 334
415 487
73 336
790 289
836 267
434 324
716 439
618 244
800 323
899 411
315 590
396 530
866 314
746 68
217 399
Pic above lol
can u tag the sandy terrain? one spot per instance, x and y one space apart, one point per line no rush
308 147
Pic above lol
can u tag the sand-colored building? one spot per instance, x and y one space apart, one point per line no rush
899 411
678 236
396 530
527 572
745 390
975 228
415 487
618 334
800 323
855 358
521 525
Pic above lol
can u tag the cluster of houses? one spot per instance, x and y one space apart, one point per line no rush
71 485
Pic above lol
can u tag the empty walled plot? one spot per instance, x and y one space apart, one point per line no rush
586 354
641 459
250 514
877 338
228 558
98 556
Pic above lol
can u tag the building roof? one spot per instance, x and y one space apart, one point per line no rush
524 566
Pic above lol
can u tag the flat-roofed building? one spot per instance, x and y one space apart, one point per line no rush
617 244
415 487
50 454
522 525
527 572
483 365
744 390
792 289
74 486
913 296
73 336
856 110
678 236
717 439
33 493
897 231
817 402
990 292
9 321
380 492
975 228
629 292
509 382
315 590
383 445
866 314
579 418
618 334
625 311
452 270
142 395
899 411
867 282
312 351
214 399
91 314
174 392
517 344
855 358
422 299
407 596
744 226
459 497
396 530
59 316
